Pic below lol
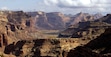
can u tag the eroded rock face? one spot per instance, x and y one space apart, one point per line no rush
99 47
14 25
24 48
58 20
106 19
41 47
87 29
103 40
82 17
17 31
53 20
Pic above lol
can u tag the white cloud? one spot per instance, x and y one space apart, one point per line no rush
79 3
76 6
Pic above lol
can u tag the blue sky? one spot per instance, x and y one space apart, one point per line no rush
64 6
19 4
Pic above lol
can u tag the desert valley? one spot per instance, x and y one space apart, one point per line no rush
54 34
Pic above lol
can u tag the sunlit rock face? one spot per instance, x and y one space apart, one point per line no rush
15 25
41 47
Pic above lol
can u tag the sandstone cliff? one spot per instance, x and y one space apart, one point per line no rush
15 25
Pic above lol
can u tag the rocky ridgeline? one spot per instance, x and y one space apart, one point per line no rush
58 21
89 29
54 20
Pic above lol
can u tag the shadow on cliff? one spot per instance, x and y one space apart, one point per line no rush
17 48
99 47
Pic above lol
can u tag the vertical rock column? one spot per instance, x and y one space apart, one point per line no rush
3 40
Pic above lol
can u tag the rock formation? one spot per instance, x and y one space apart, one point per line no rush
87 29
14 25
53 20
18 34
57 20
99 47
83 17
41 47
105 19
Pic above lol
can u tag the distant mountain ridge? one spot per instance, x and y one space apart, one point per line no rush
82 17
58 20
